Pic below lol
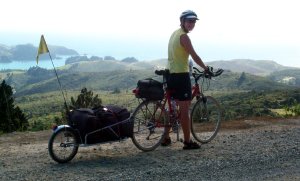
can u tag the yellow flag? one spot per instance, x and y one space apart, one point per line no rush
43 48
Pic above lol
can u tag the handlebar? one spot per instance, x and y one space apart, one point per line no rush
209 73
197 74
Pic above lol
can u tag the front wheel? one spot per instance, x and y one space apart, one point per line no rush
205 119
149 122
63 145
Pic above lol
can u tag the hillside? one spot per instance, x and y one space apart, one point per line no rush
26 52
256 67
38 80
45 81
114 65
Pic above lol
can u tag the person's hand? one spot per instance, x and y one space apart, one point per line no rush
206 68
209 70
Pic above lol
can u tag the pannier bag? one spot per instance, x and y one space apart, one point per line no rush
89 120
149 89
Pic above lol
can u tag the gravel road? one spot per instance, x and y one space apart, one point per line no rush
263 150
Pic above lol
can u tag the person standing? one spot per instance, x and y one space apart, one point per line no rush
179 50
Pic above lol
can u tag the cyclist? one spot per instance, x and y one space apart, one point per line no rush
179 49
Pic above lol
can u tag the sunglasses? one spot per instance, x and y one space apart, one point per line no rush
191 21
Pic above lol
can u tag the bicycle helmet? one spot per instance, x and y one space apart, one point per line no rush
188 14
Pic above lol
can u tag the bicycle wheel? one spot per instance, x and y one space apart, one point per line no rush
63 145
205 119
149 125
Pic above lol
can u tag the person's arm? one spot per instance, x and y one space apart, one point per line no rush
187 44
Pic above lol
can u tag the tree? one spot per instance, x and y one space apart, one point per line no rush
21 119
86 100
11 117
241 79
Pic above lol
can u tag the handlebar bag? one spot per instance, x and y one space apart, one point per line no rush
150 89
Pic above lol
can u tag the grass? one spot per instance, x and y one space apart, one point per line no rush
283 112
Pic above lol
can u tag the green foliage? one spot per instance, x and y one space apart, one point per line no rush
12 118
39 125
45 122
85 100
290 76
60 120
257 103
44 110
294 110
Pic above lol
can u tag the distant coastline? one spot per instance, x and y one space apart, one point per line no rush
26 64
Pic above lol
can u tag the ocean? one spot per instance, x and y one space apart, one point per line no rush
25 65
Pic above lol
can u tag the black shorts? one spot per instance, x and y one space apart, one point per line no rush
180 86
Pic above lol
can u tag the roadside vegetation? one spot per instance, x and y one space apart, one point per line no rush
43 110
12 117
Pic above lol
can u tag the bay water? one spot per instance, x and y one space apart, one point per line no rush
25 65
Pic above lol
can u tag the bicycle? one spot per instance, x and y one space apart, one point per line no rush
151 117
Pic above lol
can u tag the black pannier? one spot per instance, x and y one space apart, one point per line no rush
108 117
149 89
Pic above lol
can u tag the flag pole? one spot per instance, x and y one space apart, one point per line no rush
43 48
66 106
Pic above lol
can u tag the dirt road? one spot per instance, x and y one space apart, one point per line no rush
244 150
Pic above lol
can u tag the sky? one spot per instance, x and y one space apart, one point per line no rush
231 29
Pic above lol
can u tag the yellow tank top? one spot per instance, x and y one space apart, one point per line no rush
177 56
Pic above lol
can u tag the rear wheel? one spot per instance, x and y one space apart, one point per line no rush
149 125
63 145
205 119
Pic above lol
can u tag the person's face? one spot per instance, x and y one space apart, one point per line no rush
189 24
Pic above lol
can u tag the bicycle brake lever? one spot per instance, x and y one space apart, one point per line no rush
159 72
196 70
218 72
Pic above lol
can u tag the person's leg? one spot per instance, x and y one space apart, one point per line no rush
186 126
166 140
185 119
